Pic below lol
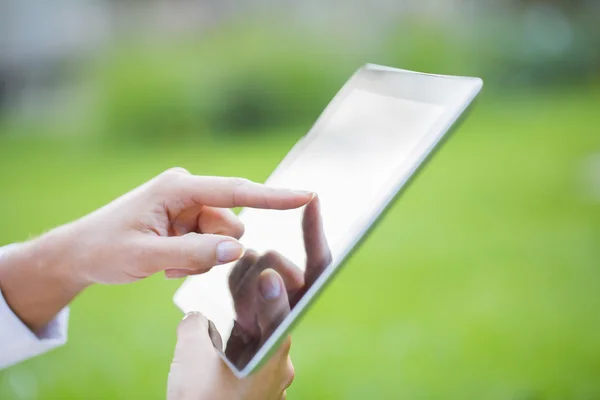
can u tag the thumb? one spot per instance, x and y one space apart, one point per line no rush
194 342
194 359
189 254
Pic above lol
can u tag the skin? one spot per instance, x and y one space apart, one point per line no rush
198 372
177 223
266 288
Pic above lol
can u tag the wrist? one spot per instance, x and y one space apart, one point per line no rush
56 256
38 279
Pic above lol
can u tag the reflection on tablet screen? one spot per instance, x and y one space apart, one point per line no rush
362 145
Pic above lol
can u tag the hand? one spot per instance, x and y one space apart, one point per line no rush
176 222
266 288
199 373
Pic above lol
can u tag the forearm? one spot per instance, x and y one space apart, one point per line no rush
37 278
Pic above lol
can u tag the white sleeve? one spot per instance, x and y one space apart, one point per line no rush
18 343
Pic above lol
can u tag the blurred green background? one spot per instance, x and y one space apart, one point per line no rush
482 282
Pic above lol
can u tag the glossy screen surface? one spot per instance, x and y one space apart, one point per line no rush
352 161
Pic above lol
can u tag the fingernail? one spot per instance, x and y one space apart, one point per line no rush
229 251
174 274
215 336
269 285
301 192
190 314
211 327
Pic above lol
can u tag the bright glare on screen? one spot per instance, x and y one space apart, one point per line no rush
363 145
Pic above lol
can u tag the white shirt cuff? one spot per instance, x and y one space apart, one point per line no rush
18 342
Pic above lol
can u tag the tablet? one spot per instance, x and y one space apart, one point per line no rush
370 140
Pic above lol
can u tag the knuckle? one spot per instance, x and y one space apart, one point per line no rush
271 257
177 171
237 189
192 256
269 194
191 260
170 178
240 229
240 181
173 174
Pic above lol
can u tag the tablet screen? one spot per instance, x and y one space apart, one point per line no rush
363 144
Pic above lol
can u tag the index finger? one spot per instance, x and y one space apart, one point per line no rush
236 192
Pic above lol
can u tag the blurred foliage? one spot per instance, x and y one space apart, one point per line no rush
539 48
252 78
236 81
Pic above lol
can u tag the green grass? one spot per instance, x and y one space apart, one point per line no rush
483 282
